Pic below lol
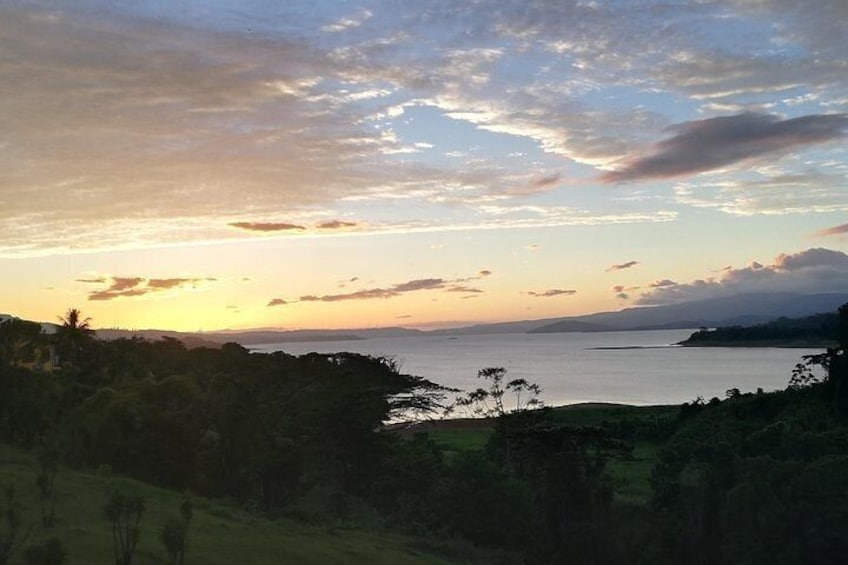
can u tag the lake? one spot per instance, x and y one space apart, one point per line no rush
637 368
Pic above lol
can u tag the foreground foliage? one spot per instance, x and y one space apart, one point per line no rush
753 479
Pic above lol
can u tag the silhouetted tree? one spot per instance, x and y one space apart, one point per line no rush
73 335
48 462
514 405
490 402
124 513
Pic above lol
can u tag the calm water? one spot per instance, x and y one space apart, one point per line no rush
570 370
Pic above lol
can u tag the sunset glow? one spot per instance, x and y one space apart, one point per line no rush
206 165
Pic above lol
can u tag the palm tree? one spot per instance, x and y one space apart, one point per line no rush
74 333
72 322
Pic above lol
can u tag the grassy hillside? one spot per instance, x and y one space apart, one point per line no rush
219 534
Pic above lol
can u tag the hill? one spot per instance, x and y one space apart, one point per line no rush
256 337
819 330
740 309
220 533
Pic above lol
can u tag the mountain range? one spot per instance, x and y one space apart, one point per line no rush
739 309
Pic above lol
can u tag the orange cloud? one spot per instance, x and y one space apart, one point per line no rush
552 292
463 288
415 285
835 230
622 266
124 287
266 226
336 224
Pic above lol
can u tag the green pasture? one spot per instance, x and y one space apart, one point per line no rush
219 534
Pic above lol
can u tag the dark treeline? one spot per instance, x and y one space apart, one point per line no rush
819 328
755 478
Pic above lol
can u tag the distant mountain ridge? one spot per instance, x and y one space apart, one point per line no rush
735 310
254 337
739 309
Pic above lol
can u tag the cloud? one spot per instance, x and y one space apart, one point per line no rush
162 125
622 292
619 288
95 280
713 143
120 284
419 284
835 230
811 258
662 283
772 194
336 224
484 273
546 181
266 226
551 292
124 287
348 23
536 185
816 270
463 288
276 302
411 286
622 266
165 284
366 294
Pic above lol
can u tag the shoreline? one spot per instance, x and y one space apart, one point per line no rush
780 344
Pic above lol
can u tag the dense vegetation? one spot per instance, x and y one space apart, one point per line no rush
755 478
816 330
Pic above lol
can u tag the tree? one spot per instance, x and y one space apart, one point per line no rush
74 334
834 364
511 417
48 462
22 343
175 532
124 513
490 403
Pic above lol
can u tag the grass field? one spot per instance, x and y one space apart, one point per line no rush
631 474
220 534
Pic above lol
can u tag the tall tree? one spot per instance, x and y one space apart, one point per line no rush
73 335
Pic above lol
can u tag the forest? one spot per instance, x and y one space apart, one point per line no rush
753 478
819 330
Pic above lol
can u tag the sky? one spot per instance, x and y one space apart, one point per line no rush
202 165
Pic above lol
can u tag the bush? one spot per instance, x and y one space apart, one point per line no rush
50 552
